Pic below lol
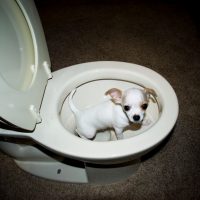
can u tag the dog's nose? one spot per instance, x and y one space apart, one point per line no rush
136 118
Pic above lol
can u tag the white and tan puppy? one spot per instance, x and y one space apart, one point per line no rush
117 112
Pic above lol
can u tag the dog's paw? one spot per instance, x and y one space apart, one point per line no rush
120 136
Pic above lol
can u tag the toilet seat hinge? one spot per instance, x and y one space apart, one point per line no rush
47 69
35 114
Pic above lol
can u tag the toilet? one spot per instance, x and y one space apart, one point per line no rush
37 128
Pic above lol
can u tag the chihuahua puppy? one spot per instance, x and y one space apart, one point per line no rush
117 111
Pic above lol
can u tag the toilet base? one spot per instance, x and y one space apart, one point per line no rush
56 171
40 162
85 173
105 174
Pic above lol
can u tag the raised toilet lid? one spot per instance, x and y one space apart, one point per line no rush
24 64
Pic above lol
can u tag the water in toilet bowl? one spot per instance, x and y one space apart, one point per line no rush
91 93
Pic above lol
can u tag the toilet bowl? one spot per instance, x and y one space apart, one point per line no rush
39 112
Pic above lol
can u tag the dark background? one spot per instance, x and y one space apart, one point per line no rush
161 35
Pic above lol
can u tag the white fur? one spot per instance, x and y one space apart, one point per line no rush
109 113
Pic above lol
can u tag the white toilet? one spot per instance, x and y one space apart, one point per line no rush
34 106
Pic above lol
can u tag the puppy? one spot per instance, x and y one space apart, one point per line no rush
117 111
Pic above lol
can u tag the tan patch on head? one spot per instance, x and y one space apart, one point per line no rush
150 92
115 94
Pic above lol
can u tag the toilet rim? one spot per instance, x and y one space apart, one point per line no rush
70 145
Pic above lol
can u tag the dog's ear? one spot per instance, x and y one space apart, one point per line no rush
115 94
150 92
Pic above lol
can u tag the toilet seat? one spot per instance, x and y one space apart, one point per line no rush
52 134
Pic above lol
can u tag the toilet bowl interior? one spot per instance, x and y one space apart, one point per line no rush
90 93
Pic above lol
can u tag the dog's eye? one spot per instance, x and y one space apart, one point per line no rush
127 108
144 106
